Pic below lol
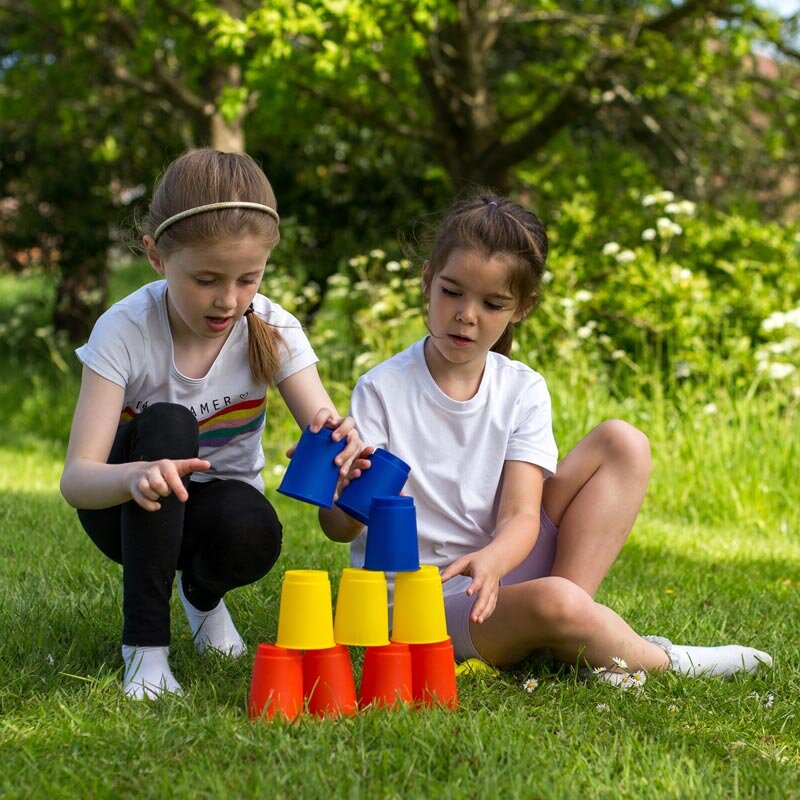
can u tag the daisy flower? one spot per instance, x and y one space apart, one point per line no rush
619 662
530 685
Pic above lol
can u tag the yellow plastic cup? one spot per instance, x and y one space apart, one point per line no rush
418 616
305 619
362 608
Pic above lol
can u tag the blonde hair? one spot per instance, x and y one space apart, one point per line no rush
204 176
495 226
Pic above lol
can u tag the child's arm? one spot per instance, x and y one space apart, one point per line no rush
309 404
88 481
515 535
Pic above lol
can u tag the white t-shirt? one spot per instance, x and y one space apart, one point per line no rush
456 450
131 345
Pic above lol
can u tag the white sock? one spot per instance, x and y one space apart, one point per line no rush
722 661
213 629
147 673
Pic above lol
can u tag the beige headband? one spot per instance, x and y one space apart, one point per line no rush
190 212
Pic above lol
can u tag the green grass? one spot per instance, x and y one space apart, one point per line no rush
715 557
66 730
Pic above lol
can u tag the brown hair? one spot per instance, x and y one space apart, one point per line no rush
204 176
495 227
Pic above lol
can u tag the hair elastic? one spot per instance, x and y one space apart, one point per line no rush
190 212
249 310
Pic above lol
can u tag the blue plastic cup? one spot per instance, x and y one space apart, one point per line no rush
312 474
392 544
386 476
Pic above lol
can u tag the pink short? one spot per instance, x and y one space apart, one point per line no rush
538 564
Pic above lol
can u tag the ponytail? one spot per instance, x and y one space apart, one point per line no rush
503 344
263 342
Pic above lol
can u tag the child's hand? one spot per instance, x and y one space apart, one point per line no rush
486 574
343 428
151 480
360 463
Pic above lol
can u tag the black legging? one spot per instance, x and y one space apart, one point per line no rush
225 535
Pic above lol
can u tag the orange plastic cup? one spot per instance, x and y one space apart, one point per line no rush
328 683
386 676
277 684
433 674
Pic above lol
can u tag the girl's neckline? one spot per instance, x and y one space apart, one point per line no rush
441 396
209 362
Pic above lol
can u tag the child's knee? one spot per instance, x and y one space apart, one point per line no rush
166 430
562 605
622 442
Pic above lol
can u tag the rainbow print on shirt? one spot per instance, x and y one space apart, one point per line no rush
220 428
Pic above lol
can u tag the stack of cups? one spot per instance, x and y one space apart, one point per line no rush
319 670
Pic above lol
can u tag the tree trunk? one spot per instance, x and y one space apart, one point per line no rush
81 296
227 136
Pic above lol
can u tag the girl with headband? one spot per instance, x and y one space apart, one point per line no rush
165 457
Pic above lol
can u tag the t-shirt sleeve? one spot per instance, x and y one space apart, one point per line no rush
296 352
114 349
532 438
368 410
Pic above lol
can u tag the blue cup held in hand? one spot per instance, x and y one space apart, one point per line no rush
312 475
392 544
386 477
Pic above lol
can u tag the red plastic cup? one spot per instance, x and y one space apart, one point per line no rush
386 676
277 684
433 674
328 683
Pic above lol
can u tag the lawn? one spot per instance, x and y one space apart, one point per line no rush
66 730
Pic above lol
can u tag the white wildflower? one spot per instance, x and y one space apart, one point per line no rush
673 709
687 207
769 701
682 370
648 234
664 226
362 359
611 248
774 321
598 670
618 354
377 253
381 307
583 296
626 256
778 371
50 660
547 277
710 408
649 200
620 662
338 280
672 208
584 332
530 685
567 303
793 317
393 266
602 707
639 677
278 470
665 197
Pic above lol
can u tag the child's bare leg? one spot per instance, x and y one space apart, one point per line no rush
556 613
594 499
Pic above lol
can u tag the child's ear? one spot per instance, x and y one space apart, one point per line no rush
153 256
525 308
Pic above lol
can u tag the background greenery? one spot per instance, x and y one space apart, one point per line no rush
659 145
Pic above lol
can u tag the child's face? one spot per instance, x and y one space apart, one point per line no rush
210 287
469 306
